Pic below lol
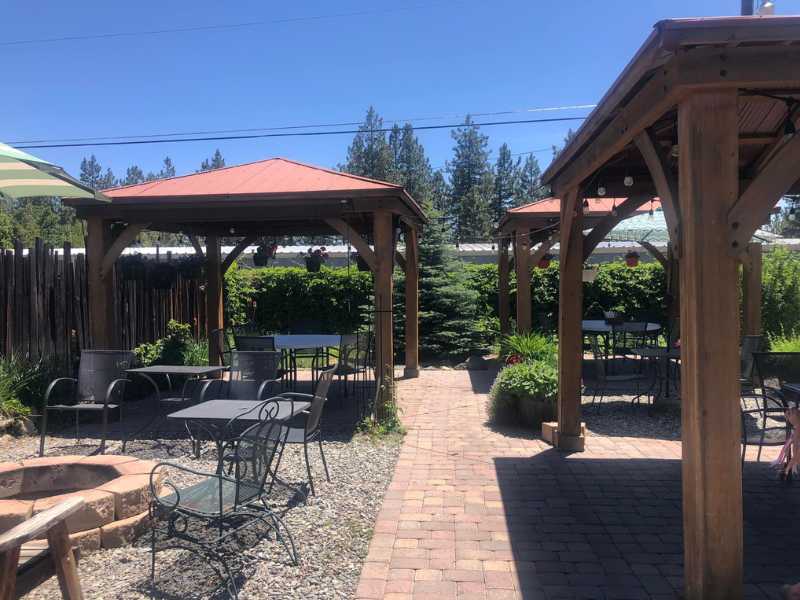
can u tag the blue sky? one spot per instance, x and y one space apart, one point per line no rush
408 59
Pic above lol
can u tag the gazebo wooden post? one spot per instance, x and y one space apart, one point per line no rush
214 306
522 248
570 335
751 290
503 301
711 427
412 304
384 357
101 290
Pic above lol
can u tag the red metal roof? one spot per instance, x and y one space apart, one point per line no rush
271 176
548 207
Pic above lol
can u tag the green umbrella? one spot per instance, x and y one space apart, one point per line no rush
25 176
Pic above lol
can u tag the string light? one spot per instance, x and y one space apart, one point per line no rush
601 190
650 212
585 203
628 181
614 208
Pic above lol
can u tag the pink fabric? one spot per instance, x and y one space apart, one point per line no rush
790 453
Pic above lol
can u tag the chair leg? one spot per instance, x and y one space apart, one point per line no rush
308 469
324 462
105 431
43 427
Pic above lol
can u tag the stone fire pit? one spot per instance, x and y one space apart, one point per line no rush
116 490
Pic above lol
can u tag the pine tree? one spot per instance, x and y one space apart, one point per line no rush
369 154
209 164
505 183
440 195
529 183
411 168
471 183
168 170
91 171
448 307
133 175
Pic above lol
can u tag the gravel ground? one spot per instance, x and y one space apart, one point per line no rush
616 417
332 531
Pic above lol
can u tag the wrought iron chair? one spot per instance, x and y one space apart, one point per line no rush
306 428
750 345
204 516
774 369
100 387
603 383
763 421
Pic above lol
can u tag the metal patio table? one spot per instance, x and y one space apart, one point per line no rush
167 372
293 342
663 382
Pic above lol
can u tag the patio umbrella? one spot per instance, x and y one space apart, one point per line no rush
25 176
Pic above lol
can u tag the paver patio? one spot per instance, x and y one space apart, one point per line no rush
478 513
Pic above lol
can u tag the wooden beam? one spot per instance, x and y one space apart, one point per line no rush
198 249
236 252
625 209
101 290
654 252
751 290
503 297
522 268
384 356
570 334
123 240
400 260
214 301
665 182
411 268
364 251
543 248
711 423
755 205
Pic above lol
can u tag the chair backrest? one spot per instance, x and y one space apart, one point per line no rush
320 396
598 357
348 351
255 450
98 368
750 344
249 369
773 369
255 343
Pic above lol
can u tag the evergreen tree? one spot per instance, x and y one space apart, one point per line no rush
168 170
369 155
209 164
411 168
448 307
529 183
91 171
505 183
6 225
471 183
133 176
440 195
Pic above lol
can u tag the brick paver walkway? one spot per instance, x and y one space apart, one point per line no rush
474 513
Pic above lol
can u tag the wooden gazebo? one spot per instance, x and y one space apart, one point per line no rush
704 116
266 198
532 230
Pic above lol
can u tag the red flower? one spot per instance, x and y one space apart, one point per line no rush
513 359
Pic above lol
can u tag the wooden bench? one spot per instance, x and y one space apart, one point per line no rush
24 568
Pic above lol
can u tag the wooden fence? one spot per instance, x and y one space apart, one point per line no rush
44 309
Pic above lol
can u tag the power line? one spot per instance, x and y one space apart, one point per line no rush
222 27
131 142
293 127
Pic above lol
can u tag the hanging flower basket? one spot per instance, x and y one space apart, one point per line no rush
191 267
632 259
264 253
589 274
132 267
163 276
315 259
545 261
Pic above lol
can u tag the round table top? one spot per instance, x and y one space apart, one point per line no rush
600 326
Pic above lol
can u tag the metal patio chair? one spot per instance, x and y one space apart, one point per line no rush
306 428
764 421
100 387
773 369
750 345
203 517
603 383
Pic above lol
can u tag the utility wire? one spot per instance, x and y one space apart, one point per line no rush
221 27
131 142
293 127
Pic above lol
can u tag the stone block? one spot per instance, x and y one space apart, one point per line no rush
14 512
11 476
125 531
131 494
98 510
87 541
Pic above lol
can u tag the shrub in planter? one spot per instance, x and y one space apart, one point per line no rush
545 261
632 259
524 394
315 259
264 253
529 347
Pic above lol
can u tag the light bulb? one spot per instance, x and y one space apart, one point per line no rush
585 203
601 190
792 216
614 210
628 181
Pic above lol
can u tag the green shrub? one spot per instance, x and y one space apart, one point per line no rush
530 347
524 392
177 348
780 293
23 383
784 344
